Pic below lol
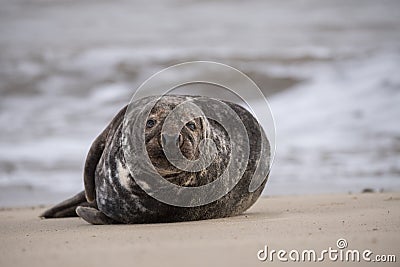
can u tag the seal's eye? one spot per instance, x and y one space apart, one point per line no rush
191 125
150 123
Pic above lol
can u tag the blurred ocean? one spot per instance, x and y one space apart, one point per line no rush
330 70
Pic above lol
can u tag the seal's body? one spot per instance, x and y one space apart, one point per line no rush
113 196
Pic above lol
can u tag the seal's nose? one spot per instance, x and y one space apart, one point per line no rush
168 140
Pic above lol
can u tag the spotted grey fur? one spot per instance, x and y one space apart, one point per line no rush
113 196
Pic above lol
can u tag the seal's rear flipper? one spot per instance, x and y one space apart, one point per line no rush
93 216
67 207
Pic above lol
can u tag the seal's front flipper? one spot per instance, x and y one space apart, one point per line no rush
93 216
67 207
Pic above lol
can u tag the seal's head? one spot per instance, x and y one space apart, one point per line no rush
188 139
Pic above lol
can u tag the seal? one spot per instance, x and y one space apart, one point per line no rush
113 196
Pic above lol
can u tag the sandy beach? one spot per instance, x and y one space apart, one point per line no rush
366 221
329 70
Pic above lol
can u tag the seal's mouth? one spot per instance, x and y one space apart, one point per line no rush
166 173
162 165
187 152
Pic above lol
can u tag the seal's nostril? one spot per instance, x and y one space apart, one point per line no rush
180 140
163 139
